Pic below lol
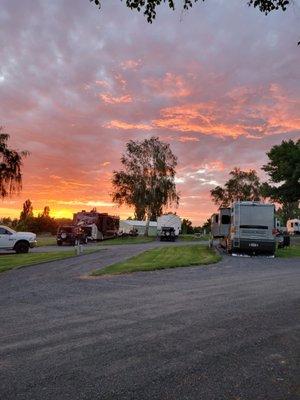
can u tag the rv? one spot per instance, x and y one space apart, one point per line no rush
98 226
293 226
252 228
220 223
169 221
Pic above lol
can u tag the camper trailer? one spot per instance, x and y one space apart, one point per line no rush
98 226
252 228
169 221
220 223
293 226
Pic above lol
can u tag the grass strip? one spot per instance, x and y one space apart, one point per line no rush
192 238
127 240
11 261
162 258
289 252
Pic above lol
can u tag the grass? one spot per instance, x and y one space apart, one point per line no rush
193 238
46 240
11 261
128 240
292 251
161 258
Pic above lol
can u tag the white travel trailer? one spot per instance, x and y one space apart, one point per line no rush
169 221
252 228
220 223
293 226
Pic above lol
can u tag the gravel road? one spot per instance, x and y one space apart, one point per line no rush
225 331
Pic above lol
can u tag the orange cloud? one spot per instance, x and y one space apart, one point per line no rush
126 126
171 85
109 99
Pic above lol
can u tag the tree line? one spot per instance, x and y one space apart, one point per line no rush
42 223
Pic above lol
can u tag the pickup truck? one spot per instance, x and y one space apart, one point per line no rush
20 242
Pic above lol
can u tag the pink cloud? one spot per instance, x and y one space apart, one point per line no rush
109 99
171 85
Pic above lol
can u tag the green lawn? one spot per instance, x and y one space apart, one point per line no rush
292 251
161 258
46 240
128 240
193 238
11 261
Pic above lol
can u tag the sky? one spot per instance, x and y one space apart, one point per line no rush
220 83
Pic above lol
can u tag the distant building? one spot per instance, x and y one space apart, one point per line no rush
127 225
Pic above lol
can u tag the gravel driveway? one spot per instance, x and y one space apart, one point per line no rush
226 331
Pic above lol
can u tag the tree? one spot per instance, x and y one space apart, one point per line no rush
207 225
46 212
147 180
27 211
242 186
186 226
283 169
148 7
11 162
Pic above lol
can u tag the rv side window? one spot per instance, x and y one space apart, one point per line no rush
292 224
296 223
217 218
225 219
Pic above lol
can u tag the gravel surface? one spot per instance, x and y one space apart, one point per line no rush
226 331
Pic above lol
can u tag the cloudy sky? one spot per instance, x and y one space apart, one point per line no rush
220 83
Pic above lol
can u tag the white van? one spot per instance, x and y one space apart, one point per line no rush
293 226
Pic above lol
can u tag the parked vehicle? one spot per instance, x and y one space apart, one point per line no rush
220 223
169 221
293 226
98 226
167 234
252 228
70 234
20 242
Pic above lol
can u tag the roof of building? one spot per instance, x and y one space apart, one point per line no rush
138 223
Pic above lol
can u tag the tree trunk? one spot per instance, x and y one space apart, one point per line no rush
147 227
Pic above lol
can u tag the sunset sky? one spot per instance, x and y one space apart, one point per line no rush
220 83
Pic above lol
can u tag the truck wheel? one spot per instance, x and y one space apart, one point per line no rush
22 247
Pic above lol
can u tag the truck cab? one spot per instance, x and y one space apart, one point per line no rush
20 242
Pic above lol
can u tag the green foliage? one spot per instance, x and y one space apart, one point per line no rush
161 258
148 7
284 168
40 224
242 186
11 162
207 226
147 180
186 227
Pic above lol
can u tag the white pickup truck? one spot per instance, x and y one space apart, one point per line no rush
20 242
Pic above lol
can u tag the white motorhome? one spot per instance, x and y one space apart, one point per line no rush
169 221
220 223
252 228
293 226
